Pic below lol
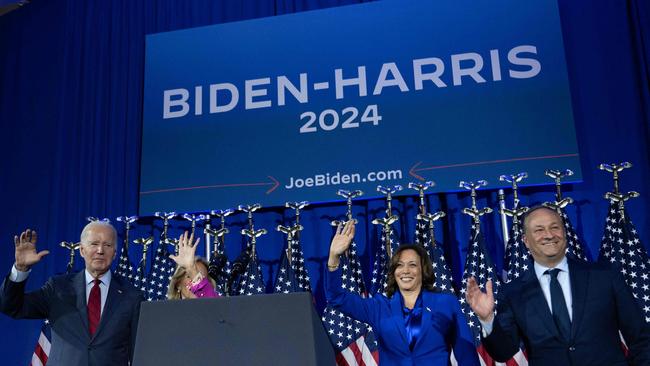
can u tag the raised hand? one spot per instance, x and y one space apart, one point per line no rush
26 255
482 303
340 243
186 251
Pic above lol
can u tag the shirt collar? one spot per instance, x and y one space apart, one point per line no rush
540 269
105 278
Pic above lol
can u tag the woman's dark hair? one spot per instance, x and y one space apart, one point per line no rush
428 277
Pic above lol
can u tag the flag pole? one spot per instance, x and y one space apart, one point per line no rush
616 196
127 220
557 176
474 212
516 211
164 237
423 215
502 214
349 196
387 221
71 246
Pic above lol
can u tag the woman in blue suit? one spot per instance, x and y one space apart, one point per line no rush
414 324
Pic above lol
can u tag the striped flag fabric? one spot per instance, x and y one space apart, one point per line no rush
42 349
353 341
43 344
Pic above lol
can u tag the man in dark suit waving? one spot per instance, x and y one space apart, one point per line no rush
565 312
94 315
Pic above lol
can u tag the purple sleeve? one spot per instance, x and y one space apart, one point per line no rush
203 289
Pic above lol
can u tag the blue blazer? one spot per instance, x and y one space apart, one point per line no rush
62 300
602 304
444 326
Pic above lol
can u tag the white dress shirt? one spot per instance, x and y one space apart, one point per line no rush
103 286
545 283
562 278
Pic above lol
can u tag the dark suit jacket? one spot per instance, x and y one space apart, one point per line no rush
602 305
444 326
62 300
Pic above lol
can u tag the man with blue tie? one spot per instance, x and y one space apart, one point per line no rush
564 311
94 316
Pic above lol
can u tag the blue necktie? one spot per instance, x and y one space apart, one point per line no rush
558 305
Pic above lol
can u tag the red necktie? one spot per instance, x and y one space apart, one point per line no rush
94 307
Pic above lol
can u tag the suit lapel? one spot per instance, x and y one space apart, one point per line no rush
579 279
79 285
398 316
113 297
532 294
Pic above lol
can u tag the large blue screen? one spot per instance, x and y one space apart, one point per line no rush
295 107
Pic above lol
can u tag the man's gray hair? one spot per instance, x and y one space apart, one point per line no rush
94 224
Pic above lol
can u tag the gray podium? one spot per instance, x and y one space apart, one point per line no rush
279 329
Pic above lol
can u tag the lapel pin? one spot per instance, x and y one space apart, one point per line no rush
429 310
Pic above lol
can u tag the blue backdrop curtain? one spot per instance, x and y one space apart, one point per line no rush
71 76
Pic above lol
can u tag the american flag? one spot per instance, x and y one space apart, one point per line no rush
381 263
251 281
518 259
353 341
286 281
292 277
42 350
443 277
124 266
622 247
162 270
479 265
220 276
43 345
140 277
575 248
298 265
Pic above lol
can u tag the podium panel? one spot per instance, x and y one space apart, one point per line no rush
278 329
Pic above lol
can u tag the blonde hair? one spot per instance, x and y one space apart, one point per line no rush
174 289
